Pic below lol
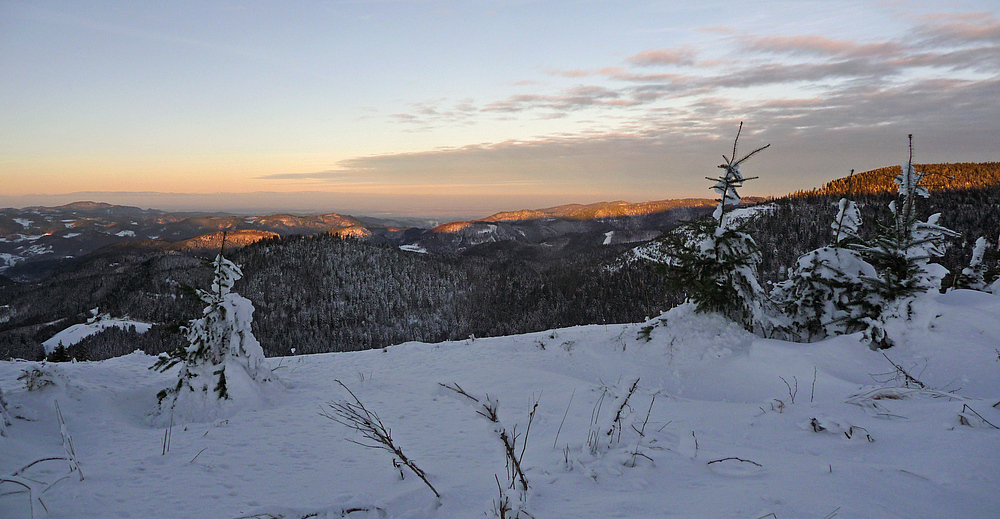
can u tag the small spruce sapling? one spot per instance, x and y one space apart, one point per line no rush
901 254
220 345
979 275
715 260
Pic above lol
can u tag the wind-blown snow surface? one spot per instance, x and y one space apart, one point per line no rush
718 395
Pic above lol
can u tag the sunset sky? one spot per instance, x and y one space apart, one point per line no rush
472 107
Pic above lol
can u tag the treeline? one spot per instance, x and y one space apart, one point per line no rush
939 177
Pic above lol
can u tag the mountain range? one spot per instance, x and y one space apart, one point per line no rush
35 241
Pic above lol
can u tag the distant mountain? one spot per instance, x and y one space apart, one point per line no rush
35 241
573 225
615 209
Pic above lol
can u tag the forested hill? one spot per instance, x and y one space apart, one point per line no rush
939 177
324 293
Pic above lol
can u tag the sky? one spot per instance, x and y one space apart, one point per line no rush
471 107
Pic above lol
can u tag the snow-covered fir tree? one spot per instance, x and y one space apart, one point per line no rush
973 277
715 260
826 293
221 350
983 272
847 224
901 254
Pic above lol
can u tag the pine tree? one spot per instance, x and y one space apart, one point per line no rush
220 345
715 260
59 354
80 352
901 254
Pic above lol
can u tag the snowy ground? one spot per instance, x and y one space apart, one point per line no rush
78 332
719 396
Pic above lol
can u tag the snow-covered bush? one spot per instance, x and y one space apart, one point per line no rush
715 260
847 224
825 293
221 350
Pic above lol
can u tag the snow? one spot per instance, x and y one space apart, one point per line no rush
126 233
8 260
742 214
78 332
24 222
607 237
413 248
71 235
725 437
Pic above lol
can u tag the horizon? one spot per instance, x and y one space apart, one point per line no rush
446 108
189 203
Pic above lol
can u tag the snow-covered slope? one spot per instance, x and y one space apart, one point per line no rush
725 437
77 332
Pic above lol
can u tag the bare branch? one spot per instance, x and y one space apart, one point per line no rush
734 458
357 417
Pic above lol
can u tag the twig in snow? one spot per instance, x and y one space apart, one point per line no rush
812 393
356 416
963 418
790 392
909 378
32 486
642 432
488 410
67 442
734 458
914 474
564 418
832 514
36 488
849 433
196 455
616 424
167 433
592 433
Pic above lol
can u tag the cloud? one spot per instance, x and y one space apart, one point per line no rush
938 45
575 73
648 58
319 175
574 98
822 46
965 28
812 96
